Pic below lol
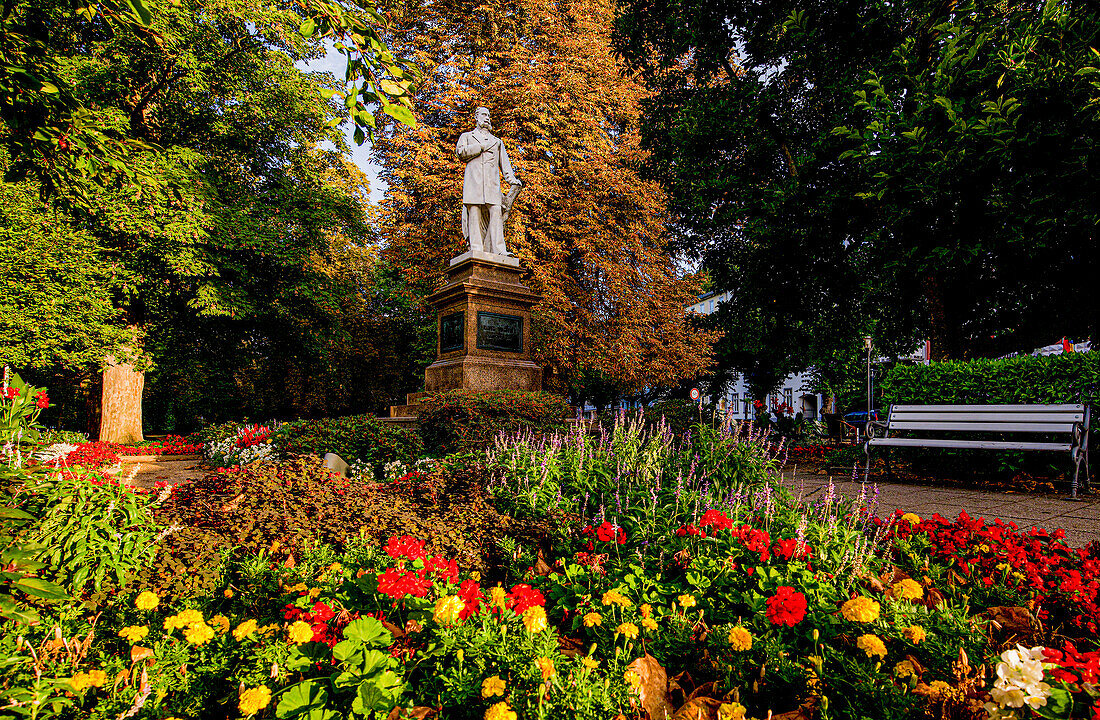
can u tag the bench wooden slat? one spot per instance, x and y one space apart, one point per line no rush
983 426
968 444
911 416
1076 407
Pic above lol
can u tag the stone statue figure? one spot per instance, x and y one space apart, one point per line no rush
484 210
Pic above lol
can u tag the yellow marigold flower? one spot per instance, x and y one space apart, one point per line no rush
300 632
940 690
872 645
546 667
199 634
911 518
630 630
146 601
228 592
447 609
914 634
475 576
79 682
686 601
740 639
614 597
649 623
244 630
220 623
907 589
534 619
860 609
904 669
335 567
491 686
97 678
314 593
253 700
731 711
172 622
593 619
189 617
300 587
497 597
500 711
134 633
590 663
633 679
646 610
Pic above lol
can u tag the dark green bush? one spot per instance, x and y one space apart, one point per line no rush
1067 378
354 437
461 420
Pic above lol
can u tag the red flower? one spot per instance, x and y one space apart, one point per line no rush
442 569
605 532
470 592
323 612
523 597
716 518
398 583
11 392
621 537
42 401
786 607
405 546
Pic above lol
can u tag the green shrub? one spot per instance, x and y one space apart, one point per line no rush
354 437
1067 378
460 420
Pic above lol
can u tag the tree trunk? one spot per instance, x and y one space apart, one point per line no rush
120 420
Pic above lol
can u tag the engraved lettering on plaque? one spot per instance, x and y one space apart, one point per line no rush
499 332
452 332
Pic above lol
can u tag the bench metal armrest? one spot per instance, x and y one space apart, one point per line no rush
870 430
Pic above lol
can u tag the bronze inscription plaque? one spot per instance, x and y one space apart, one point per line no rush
452 332
499 332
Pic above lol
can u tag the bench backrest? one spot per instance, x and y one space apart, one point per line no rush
988 418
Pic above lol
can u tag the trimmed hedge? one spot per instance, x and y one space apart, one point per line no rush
1067 378
362 437
461 420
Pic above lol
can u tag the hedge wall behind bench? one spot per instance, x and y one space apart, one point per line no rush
1067 378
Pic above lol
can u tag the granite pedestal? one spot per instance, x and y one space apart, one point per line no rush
483 330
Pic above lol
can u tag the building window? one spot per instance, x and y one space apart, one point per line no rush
788 397
710 307
747 402
735 402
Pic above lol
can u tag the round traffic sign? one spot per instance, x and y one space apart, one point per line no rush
695 393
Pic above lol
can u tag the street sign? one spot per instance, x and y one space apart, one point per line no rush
695 393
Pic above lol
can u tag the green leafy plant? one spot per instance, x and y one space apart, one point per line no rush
91 531
355 437
461 420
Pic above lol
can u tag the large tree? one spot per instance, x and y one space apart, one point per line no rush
591 233
954 202
980 139
745 97
261 219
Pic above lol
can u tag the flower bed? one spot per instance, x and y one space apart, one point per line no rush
669 576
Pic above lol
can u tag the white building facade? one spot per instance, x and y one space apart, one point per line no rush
794 392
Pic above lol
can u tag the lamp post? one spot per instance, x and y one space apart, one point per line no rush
868 344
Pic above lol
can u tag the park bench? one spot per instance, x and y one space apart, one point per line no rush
1056 428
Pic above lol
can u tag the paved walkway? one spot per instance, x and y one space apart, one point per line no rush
1079 518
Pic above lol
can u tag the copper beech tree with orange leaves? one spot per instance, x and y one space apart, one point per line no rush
589 231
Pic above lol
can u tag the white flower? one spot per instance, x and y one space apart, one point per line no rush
55 453
1019 680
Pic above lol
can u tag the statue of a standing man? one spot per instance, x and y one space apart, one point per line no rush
483 209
